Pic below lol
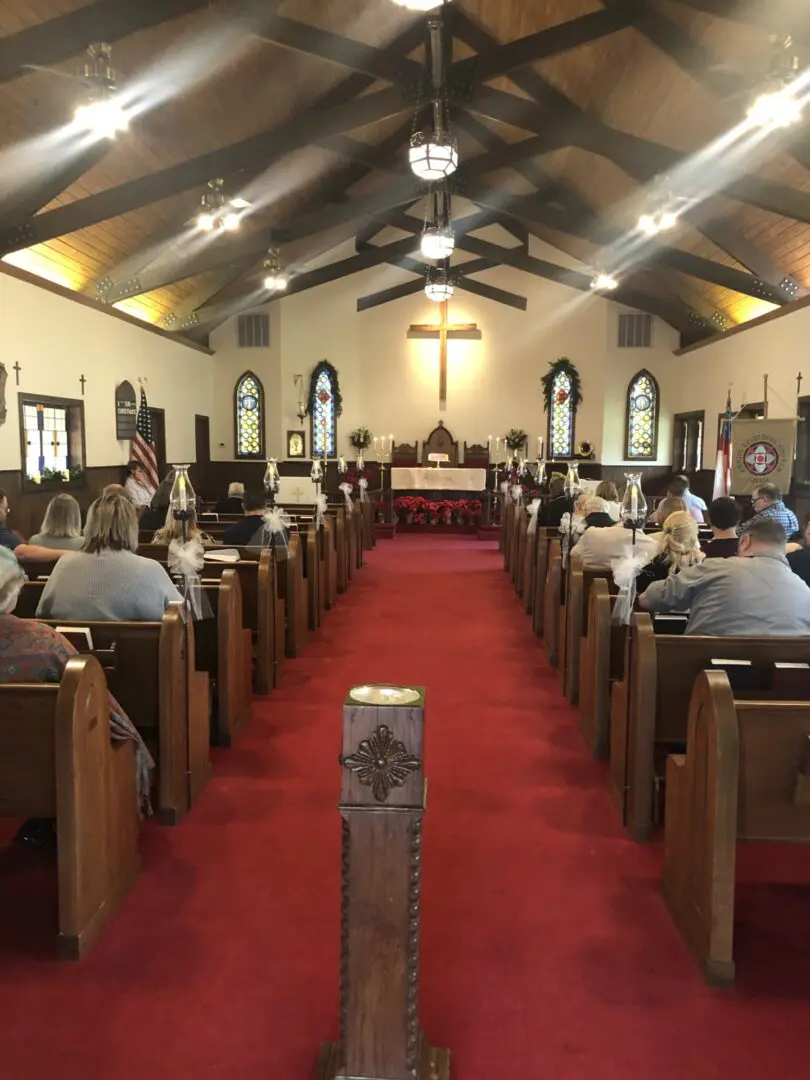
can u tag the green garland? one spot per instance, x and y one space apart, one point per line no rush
562 365
331 371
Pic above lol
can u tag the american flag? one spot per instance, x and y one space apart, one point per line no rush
722 470
143 448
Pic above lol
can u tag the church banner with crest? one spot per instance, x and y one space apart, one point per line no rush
763 452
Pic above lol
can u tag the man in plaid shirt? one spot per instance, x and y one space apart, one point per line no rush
767 502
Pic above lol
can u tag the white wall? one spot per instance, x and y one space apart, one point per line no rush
56 340
391 384
700 378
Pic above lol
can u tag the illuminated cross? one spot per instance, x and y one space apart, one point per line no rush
444 330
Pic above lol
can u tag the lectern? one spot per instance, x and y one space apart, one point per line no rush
383 791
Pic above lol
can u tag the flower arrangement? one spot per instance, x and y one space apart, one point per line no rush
360 438
421 511
516 438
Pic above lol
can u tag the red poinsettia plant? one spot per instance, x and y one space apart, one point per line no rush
420 511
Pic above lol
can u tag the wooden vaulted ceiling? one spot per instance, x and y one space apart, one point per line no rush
564 110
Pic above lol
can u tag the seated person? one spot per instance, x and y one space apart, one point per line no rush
679 489
173 530
106 579
114 489
799 554
767 503
599 547
595 514
667 506
11 542
607 490
249 532
678 548
30 651
577 524
61 527
752 596
154 516
551 513
138 486
233 504
724 516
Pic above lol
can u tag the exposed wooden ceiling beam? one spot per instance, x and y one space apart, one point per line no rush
465 282
256 152
385 296
762 15
531 82
56 40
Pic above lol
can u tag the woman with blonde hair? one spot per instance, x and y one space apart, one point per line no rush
670 505
61 527
608 491
173 530
678 547
106 579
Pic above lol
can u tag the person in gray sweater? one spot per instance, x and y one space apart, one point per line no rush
106 580
61 528
753 595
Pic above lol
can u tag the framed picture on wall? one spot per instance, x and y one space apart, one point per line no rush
296 444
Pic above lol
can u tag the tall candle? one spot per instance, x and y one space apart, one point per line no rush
634 502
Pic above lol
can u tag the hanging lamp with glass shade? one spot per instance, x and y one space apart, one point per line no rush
99 112
419 5
438 238
275 279
433 154
439 284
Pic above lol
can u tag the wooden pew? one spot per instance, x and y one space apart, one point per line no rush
519 546
507 529
528 591
224 651
150 670
544 539
744 777
601 662
292 589
580 582
552 602
57 761
661 672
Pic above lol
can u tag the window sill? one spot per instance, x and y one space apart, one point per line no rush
29 486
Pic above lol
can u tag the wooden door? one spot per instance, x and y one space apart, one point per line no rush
159 435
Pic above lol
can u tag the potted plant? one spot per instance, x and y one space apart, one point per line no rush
516 438
360 438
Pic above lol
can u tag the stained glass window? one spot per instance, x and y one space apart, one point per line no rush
249 407
324 422
46 438
561 418
642 418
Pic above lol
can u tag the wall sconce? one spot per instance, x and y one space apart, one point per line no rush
302 405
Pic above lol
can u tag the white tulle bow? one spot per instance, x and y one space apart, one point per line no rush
347 495
534 510
363 484
517 493
505 487
625 571
186 560
320 511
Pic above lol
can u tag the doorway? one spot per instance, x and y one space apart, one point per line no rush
158 417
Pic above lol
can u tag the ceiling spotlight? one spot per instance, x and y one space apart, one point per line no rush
604 283
99 112
230 222
439 285
653 224
775 109
205 222
275 279
419 5
217 211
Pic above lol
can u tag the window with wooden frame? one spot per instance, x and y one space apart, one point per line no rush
248 416
52 444
687 441
641 418
323 418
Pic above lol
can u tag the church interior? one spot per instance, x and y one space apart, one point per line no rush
313 314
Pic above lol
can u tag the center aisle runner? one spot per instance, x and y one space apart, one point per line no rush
547 951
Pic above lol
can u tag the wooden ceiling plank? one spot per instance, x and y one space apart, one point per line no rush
54 41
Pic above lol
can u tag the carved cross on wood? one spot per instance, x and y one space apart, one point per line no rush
444 330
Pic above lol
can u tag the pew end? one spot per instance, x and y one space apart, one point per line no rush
57 760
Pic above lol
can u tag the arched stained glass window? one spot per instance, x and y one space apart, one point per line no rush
641 443
561 418
324 419
249 416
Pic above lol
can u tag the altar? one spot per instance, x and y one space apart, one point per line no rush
420 478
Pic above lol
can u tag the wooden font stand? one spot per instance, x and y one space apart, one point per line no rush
382 802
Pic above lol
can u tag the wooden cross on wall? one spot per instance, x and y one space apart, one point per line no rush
443 331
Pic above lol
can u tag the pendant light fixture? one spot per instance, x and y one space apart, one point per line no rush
433 154
217 211
99 112
603 282
439 284
438 238
419 5
275 279
777 105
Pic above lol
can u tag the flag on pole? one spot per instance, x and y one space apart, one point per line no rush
143 447
722 469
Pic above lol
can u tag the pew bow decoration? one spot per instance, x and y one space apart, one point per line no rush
185 560
316 474
320 511
517 493
505 487
625 571
534 510
274 531
347 490
363 485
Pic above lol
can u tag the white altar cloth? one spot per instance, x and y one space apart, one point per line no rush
423 479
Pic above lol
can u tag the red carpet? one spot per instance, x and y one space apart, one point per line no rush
547 951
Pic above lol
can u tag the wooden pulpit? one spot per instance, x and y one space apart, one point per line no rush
383 793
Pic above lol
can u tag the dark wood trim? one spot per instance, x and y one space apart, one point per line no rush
685 417
262 419
657 414
97 305
769 316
